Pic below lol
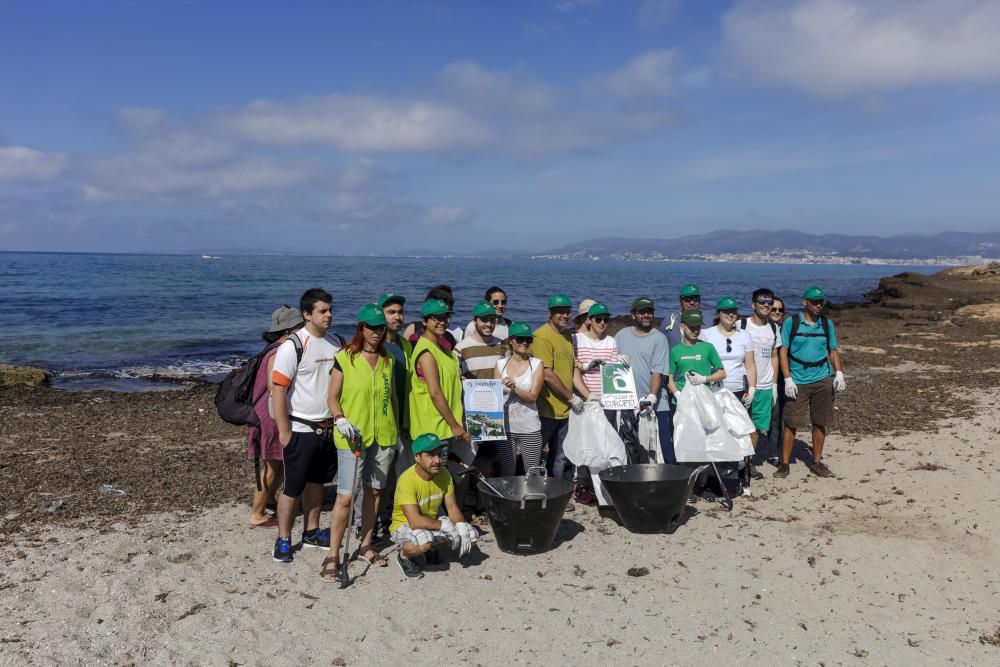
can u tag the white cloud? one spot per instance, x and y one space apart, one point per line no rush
18 163
843 47
359 123
356 209
496 89
656 13
141 118
647 75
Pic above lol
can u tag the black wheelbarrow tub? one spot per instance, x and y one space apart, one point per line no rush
649 497
526 517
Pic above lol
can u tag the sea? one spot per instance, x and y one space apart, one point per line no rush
148 322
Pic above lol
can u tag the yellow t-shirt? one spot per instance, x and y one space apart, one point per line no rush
427 495
556 352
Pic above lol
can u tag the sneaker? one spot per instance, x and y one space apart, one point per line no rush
319 539
781 472
774 460
282 551
819 469
408 567
755 472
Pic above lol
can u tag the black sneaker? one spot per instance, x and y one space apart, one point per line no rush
319 539
282 551
408 567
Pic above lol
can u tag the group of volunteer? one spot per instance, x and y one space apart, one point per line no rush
382 413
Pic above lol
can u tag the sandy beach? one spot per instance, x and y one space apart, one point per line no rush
895 560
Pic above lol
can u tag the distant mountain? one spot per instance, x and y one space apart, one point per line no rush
787 241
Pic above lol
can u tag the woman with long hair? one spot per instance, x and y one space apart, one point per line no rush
522 376
363 403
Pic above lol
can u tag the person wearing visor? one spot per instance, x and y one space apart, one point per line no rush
363 404
498 299
693 360
810 362
690 299
420 491
553 347
523 377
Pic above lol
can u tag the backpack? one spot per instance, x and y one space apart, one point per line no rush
825 324
234 400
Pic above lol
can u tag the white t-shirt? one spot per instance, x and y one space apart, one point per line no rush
765 341
733 355
308 381
588 349
522 417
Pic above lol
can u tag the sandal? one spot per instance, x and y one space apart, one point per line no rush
378 560
329 571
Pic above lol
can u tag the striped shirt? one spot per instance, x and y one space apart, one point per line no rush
479 359
587 349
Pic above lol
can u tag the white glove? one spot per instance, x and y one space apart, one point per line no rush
451 531
696 378
624 360
469 535
576 404
748 397
791 390
839 384
347 429
650 402
774 393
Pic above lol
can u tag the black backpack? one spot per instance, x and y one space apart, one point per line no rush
825 324
234 400
774 328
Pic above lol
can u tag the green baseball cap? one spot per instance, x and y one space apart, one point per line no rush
598 309
690 290
726 303
389 297
520 329
560 300
814 294
692 318
484 309
427 442
371 314
643 303
434 307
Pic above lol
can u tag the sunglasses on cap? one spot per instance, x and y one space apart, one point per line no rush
499 302
523 340
766 302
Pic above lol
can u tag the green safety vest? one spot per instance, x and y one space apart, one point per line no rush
366 399
424 417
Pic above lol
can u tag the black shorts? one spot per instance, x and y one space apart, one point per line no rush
309 459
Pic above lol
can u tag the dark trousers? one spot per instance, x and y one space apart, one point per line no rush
665 424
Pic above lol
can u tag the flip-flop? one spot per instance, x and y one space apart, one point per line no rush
378 560
329 571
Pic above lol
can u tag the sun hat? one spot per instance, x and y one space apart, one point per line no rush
598 309
814 294
692 318
389 297
560 300
726 303
484 309
285 317
434 307
643 303
690 290
427 442
585 307
519 329
371 315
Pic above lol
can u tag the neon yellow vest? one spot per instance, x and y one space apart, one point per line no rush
424 417
366 399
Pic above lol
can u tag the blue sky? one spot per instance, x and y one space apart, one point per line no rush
343 127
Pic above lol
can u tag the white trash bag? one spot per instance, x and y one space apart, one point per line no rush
708 427
592 441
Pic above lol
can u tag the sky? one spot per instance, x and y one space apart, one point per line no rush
394 125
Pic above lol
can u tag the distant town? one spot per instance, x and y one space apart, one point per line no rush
783 257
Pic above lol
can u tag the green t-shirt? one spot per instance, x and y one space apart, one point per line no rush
702 358
427 495
555 350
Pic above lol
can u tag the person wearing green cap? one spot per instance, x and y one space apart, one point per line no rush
435 379
693 360
766 340
363 404
523 377
420 491
552 345
480 350
496 296
810 362
690 299
452 334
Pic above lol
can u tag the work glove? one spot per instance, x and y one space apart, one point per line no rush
469 535
696 378
594 363
791 390
450 530
576 404
347 429
774 393
839 384
647 402
624 360
748 397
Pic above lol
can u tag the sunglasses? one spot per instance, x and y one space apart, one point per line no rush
499 302
816 302
691 299
766 302
777 310
379 328
729 345
644 311
488 318
601 320
442 318
728 312
523 340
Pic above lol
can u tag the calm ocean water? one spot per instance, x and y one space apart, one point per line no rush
113 321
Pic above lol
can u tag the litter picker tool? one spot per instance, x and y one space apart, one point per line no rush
356 449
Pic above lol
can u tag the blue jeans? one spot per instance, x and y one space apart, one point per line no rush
665 423
553 435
